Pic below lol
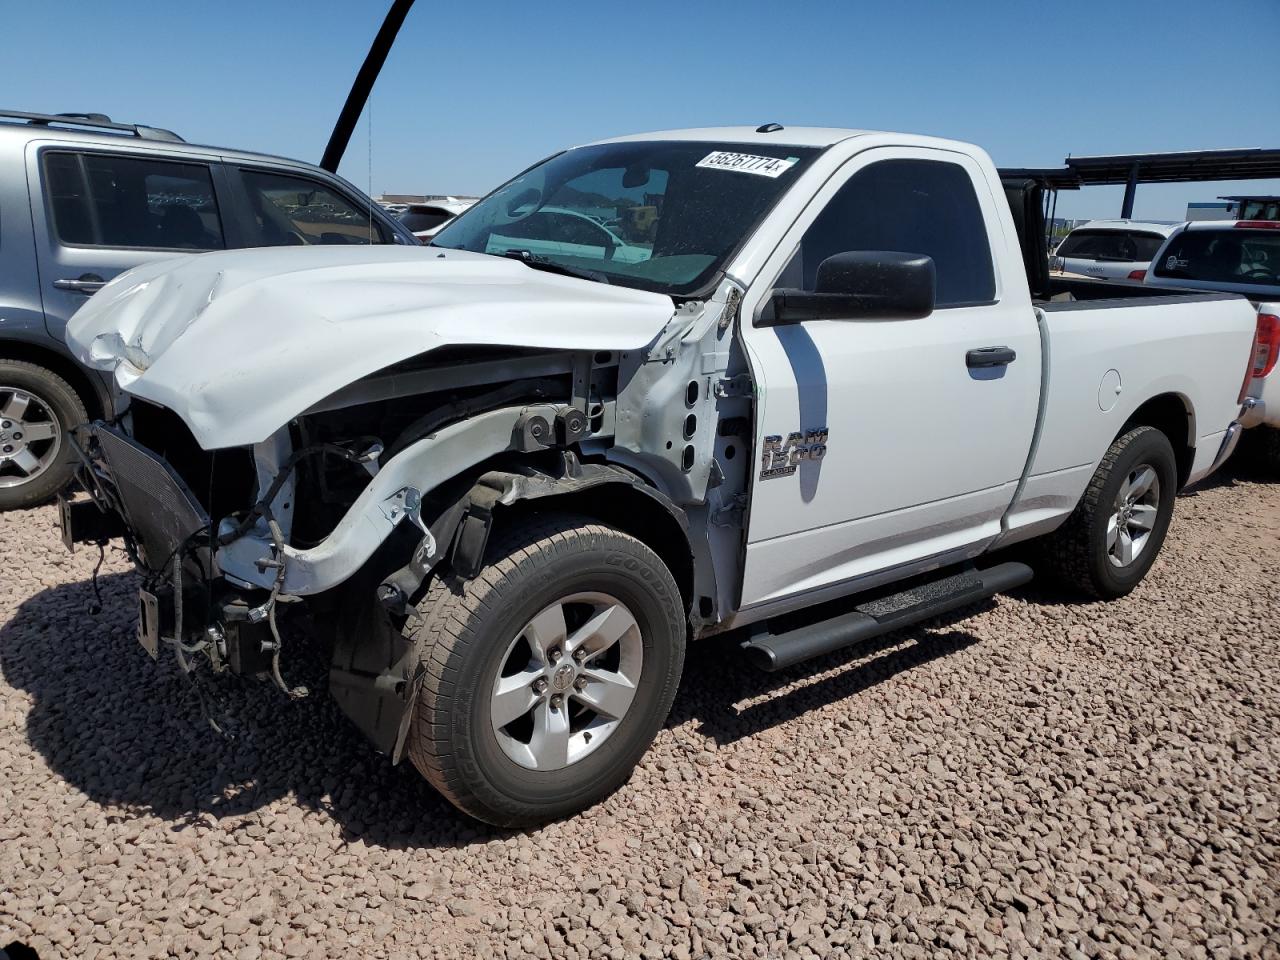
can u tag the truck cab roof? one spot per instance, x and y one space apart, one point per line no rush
794 136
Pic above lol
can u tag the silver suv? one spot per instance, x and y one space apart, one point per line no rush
82 199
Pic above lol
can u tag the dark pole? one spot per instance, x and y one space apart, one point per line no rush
360 90
1130 189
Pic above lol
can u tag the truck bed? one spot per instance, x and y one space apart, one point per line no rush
1089 294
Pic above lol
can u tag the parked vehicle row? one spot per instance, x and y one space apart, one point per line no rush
1234 256
1243 257
85 199
1111 249
514 473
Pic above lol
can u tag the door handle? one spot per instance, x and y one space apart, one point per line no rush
86 283
990 357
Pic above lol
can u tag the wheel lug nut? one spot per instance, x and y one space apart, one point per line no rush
580 684
8 449
555 654
556 701
5 424
17 436
539 686
580 654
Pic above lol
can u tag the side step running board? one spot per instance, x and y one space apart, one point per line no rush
774 651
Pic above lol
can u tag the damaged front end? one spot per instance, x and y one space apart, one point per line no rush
265 489
211 534
184 602
321 520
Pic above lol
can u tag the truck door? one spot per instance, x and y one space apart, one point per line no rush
97 214
882 448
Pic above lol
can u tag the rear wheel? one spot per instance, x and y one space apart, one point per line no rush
1111 539
548 675
37 411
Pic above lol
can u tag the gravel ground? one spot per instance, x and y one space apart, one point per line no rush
1040 779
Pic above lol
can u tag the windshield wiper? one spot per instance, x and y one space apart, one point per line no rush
550 266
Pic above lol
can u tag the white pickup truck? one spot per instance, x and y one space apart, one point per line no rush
511 486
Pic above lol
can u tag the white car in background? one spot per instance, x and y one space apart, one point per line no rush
425 220
1236 256
1111 249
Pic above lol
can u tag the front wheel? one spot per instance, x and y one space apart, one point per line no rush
1112 537
547 675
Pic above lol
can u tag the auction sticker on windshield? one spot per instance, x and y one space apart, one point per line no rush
771 167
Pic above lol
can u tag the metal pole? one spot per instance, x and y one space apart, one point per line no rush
360 90
1053 215
1130 188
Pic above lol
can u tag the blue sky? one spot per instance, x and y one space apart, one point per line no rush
474 92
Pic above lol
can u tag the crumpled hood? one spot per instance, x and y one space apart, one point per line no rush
239 342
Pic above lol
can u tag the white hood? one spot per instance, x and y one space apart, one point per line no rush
237 343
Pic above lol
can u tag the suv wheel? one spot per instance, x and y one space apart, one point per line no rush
37 411
548 675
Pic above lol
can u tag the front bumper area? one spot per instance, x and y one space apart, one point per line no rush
162 518
184 601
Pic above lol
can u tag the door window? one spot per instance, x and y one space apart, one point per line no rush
100 200
291 211
909 206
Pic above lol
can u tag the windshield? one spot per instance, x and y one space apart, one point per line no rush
1223 256
1129 245
658 215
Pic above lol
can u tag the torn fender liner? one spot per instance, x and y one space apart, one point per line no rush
238 342
375 673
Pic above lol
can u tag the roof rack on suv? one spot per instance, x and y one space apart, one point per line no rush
95 121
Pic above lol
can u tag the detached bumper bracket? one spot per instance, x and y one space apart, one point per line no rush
83 521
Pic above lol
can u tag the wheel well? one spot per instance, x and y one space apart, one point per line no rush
1171 415
632 512
59 364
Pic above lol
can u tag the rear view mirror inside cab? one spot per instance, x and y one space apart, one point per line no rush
859 285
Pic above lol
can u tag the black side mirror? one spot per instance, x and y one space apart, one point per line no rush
858 285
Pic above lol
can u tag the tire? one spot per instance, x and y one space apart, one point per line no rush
29 392
476 632
1079 555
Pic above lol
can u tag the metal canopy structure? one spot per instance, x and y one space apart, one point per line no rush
1253 163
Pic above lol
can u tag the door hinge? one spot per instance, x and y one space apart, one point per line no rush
739 386
731 513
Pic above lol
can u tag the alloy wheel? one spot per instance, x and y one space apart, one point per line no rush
1133 515
30 437
566 681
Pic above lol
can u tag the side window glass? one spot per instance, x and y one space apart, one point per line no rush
111 201
292 211
909 206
